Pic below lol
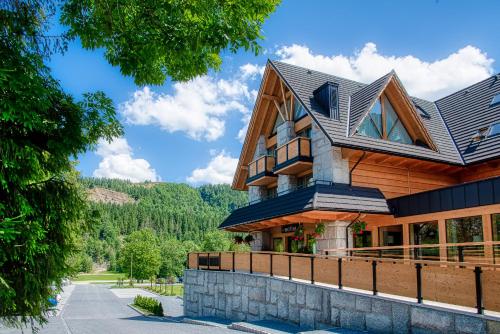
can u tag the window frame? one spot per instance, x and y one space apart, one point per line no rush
385 132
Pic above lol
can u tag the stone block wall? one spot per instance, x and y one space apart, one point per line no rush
250 297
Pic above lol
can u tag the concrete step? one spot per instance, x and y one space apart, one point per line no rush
265 327
276 327
208 321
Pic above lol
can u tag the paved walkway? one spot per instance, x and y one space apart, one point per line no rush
94 309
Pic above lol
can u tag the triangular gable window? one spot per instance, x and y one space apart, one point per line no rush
382 122
279 120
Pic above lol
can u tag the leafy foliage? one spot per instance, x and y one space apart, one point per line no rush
149 304
140 255
42 205
151 40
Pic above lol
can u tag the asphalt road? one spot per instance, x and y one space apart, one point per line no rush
96 309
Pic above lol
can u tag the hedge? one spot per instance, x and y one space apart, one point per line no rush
149 304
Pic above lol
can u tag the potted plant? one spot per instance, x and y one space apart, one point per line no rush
312 240
358 228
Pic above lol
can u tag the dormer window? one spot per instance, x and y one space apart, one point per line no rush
382 122
480 134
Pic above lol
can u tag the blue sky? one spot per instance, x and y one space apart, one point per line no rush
192 132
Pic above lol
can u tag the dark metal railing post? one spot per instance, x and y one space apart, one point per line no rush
208 261
271 264
233 261
418 266
479 291
312 269
326 253
380 253
251 262
298 142
374 277
340 272
220 261
197 261
289 267
461 255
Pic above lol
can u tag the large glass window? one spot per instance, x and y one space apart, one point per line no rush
298 110
382 122
495 222
391 235
466 229
424 233
279 120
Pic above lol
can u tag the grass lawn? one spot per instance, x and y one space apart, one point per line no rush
176 290
104 276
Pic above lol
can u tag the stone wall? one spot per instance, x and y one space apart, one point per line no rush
328 164
251 297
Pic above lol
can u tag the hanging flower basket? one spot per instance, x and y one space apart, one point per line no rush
358 227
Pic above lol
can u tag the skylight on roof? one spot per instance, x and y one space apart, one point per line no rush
494 130
495 100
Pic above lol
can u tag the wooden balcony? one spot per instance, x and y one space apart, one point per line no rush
294 157
260 171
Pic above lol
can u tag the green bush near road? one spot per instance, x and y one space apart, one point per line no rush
149 304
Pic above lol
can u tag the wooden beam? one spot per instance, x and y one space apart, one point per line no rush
279 111
270 97
284 101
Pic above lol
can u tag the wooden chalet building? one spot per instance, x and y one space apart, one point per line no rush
323 149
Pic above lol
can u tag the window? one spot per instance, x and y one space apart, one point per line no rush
480 134
424 233
494 130
382 122
279 120
272 192
495 222
298 110
363 239
271 151
495 100
391 235
334 102
305 133
466 229
303 182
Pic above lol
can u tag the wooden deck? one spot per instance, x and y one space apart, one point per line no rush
473 284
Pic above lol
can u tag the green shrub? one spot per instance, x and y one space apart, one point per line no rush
149 304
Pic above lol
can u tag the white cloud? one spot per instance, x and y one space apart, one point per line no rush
220 169
423 79
198 107
117 162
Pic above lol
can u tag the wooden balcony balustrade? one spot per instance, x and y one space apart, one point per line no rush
475 285
260 171
294 157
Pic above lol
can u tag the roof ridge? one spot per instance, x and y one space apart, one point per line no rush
466 88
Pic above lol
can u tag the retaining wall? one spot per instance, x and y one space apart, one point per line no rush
251 297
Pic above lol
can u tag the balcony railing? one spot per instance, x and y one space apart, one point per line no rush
294 157
473 285
260 171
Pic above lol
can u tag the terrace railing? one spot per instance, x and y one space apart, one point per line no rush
475 285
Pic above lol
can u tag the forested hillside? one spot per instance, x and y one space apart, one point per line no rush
171 210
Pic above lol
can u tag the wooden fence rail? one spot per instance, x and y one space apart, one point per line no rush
467 284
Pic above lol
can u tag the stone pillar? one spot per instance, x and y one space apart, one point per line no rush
328 164
286 132
261 240
335 236
257 193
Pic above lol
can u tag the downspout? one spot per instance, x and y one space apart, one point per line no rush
354 167
347 229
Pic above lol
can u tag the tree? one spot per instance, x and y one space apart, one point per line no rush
42 128
153 39
216 241
140 256
173 258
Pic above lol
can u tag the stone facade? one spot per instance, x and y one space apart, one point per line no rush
257 193
328 164
261 240
285 133
334 236
251 297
